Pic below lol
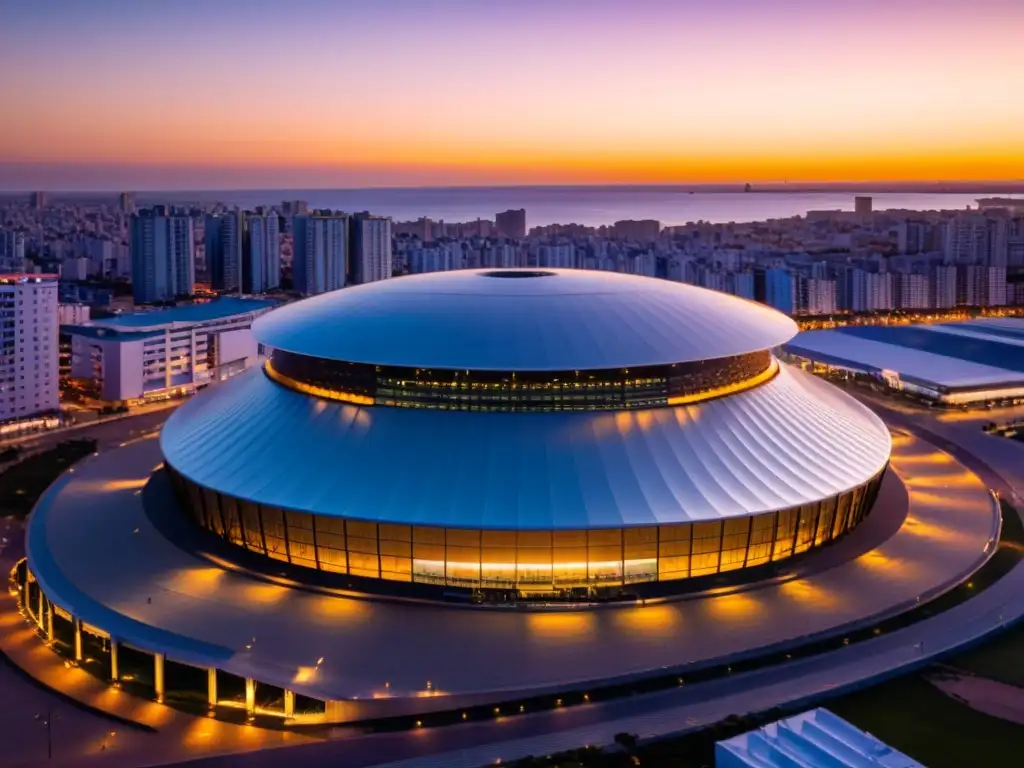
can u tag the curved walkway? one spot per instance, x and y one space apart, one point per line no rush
96 554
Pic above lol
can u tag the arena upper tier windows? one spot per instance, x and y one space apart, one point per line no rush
588 390
525 560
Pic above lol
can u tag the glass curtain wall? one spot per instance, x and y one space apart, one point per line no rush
540 561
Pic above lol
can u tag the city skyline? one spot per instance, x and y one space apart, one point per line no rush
238 95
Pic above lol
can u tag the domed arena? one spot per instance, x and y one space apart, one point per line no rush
521 434
596 478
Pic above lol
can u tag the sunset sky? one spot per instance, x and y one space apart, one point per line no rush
298 93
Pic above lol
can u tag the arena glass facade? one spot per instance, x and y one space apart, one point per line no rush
537 561
586 390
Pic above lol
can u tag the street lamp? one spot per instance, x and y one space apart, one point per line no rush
48 722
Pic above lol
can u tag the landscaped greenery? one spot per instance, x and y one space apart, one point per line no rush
916 718
908 713
21 485
1001 658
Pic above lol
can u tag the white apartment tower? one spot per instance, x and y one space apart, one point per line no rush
944 287
972 238
262 270
28 346
816 296
913 292
370 257
320 252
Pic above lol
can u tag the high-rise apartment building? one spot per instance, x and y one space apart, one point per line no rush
320 252
995 287
914 237
261 268
12 251
1015 242
913 291
28 346
224 237
775 287
741 284
862 204
126 202
558 256
163 255
369 255
943 283
511 224
972 238
815 296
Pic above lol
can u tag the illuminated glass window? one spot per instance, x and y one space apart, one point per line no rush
617 389
762 534
252 526
530 561
462 568
274 533
232 520
785 531
805 528
735 537
301 542
604 556
826 519
842 514
707 548
213 515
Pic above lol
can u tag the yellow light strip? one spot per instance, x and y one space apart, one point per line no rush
309 389
729 389
350 397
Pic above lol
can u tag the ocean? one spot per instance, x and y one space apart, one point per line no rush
591 206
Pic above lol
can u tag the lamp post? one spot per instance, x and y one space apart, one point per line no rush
48 722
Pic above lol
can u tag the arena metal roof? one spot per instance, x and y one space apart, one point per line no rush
875 356
538 320
793 440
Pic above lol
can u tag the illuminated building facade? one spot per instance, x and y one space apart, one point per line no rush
525 431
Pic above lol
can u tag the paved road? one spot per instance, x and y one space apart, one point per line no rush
108 433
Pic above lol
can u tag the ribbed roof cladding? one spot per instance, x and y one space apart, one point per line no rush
791 441
543 320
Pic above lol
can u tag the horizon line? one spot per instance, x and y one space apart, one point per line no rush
963 185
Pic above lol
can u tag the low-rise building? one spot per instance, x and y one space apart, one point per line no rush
155 355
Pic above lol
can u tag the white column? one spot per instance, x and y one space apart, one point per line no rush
250 695
77 624
158 676
114 671
211 687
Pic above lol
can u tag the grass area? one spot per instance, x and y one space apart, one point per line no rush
1001 658
908 713
916 718
22 484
